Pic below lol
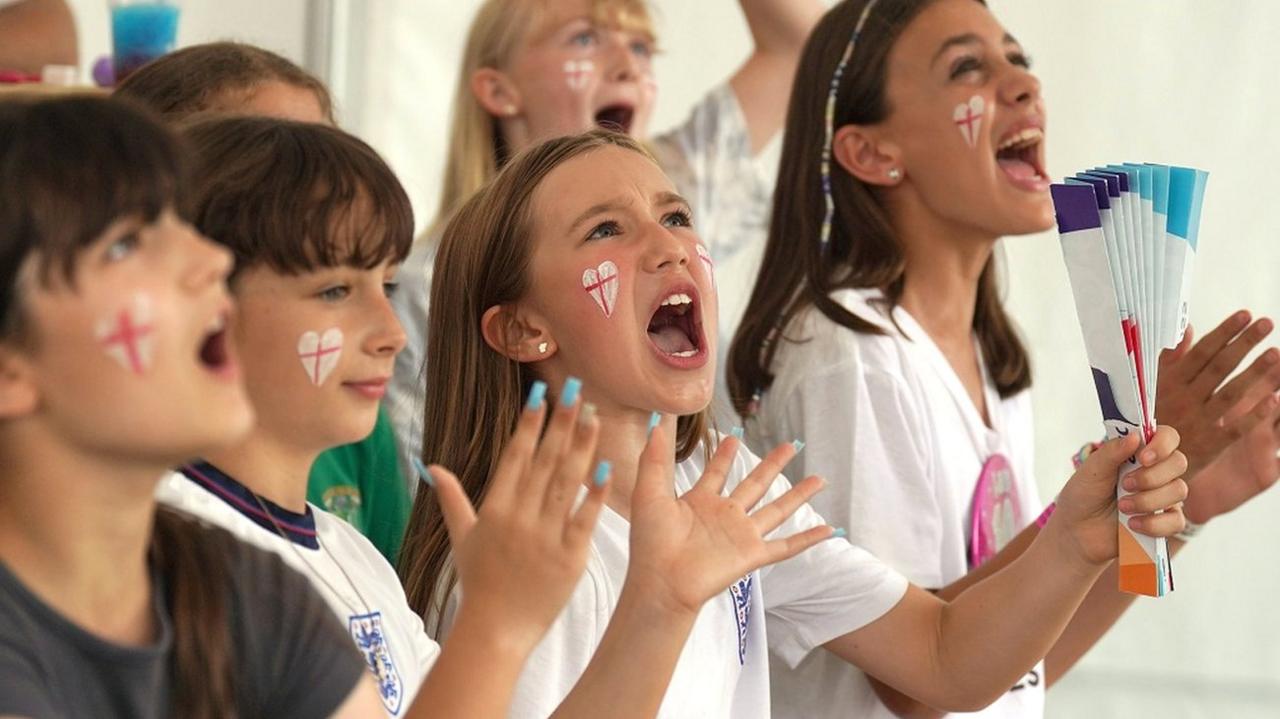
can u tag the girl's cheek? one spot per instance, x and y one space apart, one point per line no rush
126 333
968 118
601 282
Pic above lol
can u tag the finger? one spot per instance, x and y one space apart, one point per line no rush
1154 500
1105 461
1168 363
555 442
1260 379
574 465
654 476
1229 358
516 456
777 550
577 533
1198 357
772 515
459 515
1165 524
1162 444
717 471
750 490
1263 411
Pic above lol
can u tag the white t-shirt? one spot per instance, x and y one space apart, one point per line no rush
825 592
344 567
708 157
890 426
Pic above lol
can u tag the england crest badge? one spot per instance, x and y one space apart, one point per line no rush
371 640
740 591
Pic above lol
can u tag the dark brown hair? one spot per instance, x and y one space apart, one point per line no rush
295 196
477 393
69 167
796 271
202 77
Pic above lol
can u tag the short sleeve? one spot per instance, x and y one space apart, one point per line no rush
297 661
22 691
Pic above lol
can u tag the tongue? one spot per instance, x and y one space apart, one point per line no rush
1018 169
671 339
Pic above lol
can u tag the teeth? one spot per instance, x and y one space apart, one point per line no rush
686 353
1027 136
678 298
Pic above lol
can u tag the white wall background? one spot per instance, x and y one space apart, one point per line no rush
1175 81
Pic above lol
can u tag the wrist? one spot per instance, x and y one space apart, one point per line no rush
1068 551
495 633
654 604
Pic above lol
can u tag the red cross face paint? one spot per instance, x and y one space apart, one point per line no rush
968 118
126 335
602 284
320 353
577 74
708 264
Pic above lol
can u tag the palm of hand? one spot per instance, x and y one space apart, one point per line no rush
1245 469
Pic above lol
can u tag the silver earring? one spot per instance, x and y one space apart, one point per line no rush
542 348
508 110
895 174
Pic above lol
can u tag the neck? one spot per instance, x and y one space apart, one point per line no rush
623 436
272 469
75 527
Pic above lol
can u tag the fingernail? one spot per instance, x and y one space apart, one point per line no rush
1130 483
839 532
1148 457
736 432
1272 356
602 472
653 422
587 414
536 394
1125 505
423 473
798 444
569 394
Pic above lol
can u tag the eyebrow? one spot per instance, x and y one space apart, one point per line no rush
613 205
968 38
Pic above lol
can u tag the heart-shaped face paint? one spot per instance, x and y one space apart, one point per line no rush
602 284
707 264
968 117
319 353
126 335
578 73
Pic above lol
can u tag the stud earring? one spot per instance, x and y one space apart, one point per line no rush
508 110
895 174
542 348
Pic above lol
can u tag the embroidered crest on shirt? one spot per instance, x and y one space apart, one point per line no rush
740 591
344 501
371 640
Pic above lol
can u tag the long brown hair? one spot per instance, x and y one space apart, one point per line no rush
477 393
797 272
69 167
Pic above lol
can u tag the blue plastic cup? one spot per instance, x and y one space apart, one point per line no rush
141 31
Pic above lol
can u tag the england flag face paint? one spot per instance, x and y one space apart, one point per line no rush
578 74
601 282
126 334
319 353
968 118
707 264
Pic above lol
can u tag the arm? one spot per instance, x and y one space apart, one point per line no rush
363 701
35 33
962 655
779 29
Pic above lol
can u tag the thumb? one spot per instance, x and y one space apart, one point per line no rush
1104 464
459 515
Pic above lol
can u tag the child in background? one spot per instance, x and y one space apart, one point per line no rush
112 316
876 329
360 482
537 70
580 260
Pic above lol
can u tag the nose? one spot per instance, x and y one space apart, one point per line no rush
206 262
387 337
622 65
664 251
1019 86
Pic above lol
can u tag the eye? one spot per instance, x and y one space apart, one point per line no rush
642 49
1020 59
965 65
586 38
678 218
335 293
389 288
608 228
122 247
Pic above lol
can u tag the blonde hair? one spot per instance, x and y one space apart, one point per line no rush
477 393
476 148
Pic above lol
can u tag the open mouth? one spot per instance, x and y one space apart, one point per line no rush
214 353
616 117
1019 157
675 329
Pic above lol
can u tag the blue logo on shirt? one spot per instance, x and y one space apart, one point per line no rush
371 640
740 591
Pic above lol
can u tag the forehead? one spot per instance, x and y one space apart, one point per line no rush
943 21
599 176
552 15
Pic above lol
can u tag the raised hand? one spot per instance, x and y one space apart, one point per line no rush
1245 469
690 548
520 558
1086 506
1192 398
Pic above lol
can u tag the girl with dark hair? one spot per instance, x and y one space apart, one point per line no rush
876 329
112 327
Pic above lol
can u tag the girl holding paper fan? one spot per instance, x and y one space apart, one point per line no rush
876 330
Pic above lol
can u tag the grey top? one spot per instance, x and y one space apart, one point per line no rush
293 658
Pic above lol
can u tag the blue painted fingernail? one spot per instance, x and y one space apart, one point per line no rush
736 432
653 422
798 444
423 473
602 472
839 533
536 394
569 393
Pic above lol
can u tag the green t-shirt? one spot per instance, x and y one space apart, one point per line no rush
362 484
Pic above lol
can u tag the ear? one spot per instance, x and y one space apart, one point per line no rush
18 393
866 156
515 334
495 92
